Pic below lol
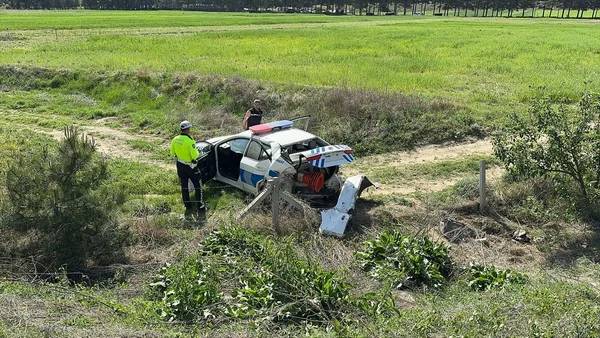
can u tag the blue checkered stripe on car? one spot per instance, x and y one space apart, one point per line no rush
320 163
250 178
348 157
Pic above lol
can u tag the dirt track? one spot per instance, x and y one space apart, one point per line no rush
116 143
426 154
113 142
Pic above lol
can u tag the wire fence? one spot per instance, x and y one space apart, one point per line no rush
28 269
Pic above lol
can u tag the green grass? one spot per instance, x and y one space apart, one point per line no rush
490 65
90 19
542 308
390 174
545 306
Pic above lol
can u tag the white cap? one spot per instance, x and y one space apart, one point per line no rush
185 125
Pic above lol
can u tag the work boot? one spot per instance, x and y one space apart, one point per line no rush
189 214
201 215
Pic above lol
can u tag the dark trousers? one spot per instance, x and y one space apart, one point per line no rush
186 174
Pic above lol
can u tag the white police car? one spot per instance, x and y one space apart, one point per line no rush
248 159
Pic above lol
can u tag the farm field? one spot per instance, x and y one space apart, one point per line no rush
420 99
489 66
89 19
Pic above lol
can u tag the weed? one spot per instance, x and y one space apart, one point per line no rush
187 290
239 274
489 277
405 261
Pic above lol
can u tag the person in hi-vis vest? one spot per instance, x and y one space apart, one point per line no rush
183 147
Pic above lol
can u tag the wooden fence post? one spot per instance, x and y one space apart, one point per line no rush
482 197
276 203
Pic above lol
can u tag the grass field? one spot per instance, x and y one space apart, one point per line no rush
88 19
488 65
128 78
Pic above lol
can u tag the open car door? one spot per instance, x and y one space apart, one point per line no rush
207 162
302 122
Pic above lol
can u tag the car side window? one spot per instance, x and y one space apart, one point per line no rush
237 145
256 151
264 155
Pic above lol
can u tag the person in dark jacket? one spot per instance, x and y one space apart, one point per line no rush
253 115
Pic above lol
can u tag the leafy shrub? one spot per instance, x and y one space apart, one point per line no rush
59 198
558 141
488 277
187 290
239 274
405 261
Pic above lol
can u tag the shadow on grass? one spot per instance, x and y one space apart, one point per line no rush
586 244
363 218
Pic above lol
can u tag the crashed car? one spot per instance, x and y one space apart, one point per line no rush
250 159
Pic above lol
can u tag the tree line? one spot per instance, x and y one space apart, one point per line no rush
479 8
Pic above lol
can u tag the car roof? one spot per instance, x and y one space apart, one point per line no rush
284 137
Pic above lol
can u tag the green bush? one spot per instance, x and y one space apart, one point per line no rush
558 141
405 261
240 274
187 290
59 199
488 277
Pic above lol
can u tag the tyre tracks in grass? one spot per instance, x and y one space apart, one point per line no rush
111 142
425 169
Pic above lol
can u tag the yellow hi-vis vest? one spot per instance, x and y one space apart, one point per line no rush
184 148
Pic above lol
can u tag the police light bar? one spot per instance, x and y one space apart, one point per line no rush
271 126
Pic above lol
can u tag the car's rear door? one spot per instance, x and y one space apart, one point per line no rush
254 166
